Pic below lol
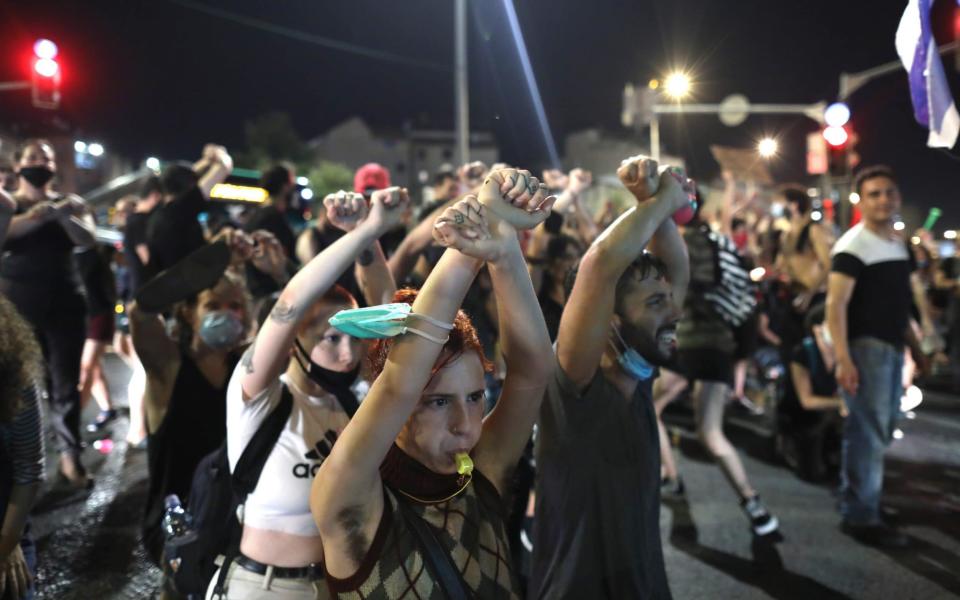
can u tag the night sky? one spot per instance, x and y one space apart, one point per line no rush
163 77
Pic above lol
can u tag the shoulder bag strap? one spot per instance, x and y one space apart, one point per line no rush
438 562
247 472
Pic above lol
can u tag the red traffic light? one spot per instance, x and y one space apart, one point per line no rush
45 49
46 67
45 84
835 136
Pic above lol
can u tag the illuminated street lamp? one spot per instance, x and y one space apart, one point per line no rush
677 85
767 147
854 198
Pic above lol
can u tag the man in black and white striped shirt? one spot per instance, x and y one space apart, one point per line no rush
720 299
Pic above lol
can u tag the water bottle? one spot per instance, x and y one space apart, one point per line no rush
176 520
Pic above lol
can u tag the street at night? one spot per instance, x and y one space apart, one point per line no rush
479 300
89 547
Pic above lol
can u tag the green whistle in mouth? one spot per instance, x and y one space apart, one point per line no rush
464 463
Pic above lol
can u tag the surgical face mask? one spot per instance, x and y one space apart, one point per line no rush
630 360
384 321
37 176
221 329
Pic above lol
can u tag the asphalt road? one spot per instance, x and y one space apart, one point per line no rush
89 548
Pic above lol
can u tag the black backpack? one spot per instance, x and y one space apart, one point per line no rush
215 495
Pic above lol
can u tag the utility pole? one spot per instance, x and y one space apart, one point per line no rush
461 91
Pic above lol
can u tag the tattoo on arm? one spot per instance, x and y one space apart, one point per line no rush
247 360
351 519
365 258
283 312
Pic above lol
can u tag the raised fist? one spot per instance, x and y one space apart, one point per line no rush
579 180
555 179
387 207
464 226
516 197
345 210
640 175
472 174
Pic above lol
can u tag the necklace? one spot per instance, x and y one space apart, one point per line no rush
463 481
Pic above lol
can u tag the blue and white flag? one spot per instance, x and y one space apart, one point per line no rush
933 105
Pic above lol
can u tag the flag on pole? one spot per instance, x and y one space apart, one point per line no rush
933 105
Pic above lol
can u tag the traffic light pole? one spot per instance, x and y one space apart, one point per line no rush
813 111
9 86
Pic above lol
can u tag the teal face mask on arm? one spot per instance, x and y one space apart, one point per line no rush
384 321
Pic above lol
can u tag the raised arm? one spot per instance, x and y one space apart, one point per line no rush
213 168
374 276
585 324
524 340
408 252
154 347
346 499
267 357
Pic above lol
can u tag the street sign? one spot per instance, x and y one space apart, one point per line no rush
816 154
734 110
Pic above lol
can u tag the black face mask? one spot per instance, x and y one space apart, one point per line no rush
335 382
37 176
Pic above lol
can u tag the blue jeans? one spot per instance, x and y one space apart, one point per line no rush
869 427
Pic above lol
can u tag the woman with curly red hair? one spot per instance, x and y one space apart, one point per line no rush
402 470
21 449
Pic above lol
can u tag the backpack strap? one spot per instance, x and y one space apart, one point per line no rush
247 472
436 558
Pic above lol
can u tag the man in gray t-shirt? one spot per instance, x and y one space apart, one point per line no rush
597 529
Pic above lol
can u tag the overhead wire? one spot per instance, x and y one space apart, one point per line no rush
310 38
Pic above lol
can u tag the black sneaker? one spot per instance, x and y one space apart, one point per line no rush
880 535
104 418
761 521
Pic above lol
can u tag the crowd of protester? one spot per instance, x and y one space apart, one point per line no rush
467 389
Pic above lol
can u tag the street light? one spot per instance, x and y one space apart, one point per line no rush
80 146
153 163
854 198
95 149
677 85
767 147
950 234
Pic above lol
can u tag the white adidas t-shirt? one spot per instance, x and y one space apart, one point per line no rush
281 500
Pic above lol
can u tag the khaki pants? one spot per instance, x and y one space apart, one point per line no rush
242 584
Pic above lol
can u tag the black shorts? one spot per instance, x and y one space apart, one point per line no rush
704 364
746 337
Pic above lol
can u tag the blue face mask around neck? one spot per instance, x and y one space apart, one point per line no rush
630 360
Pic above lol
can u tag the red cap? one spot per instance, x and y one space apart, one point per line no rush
371 175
